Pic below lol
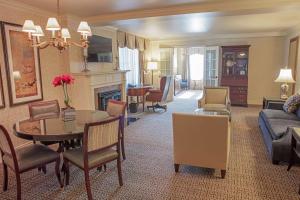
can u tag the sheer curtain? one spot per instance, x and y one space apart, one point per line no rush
129 60
196 67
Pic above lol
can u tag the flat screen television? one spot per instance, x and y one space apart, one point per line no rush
100 49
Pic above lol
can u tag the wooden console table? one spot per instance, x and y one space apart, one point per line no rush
138 91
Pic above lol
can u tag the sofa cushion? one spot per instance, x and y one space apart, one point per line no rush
292 103
278 127
277 114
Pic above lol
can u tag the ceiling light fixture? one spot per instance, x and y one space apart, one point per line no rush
60 37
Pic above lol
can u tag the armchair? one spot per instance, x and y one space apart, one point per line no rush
159 95
215 98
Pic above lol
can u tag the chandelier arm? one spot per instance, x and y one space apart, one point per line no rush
82 45
42 45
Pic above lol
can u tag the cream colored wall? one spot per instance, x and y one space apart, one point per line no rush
51 64
265 60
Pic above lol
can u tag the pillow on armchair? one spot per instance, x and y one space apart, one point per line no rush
292 103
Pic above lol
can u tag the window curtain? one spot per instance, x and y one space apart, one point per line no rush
195 65
129 60
121 39
130 41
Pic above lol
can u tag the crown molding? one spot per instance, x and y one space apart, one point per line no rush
214 6
294 31
25 7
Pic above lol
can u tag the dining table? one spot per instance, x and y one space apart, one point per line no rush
57 127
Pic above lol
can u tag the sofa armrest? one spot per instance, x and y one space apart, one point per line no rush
274 105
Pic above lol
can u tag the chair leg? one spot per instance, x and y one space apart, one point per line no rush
176 167
123 147
44 169
57 171
67 171
18 178
87 184
119 171
5 176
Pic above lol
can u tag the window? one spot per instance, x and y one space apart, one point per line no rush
196 66
129 60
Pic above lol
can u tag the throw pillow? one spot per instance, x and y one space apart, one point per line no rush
292 103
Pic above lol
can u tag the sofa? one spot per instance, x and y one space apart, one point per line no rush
275 125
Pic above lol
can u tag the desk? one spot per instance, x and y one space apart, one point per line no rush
138 91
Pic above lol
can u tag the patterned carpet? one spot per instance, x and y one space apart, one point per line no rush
148 170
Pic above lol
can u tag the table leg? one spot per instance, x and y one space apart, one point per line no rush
127 101
143 103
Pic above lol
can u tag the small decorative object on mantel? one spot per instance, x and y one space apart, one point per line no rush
64 80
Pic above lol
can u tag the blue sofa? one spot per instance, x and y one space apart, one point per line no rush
275 127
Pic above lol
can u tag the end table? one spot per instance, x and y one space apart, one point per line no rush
273 103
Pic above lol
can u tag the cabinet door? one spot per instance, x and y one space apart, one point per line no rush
211 66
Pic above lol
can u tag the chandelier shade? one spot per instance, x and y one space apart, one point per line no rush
29 26
60 37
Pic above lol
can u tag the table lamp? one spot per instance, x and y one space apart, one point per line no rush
285 77
152 65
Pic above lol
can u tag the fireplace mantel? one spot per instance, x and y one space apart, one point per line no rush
85 84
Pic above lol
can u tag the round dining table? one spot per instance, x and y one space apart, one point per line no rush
57 127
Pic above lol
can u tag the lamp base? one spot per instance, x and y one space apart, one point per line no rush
284 91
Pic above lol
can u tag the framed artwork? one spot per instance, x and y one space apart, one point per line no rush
22 66
2 102
293 57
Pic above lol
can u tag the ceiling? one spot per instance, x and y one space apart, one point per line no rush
211 24
86 8
173 19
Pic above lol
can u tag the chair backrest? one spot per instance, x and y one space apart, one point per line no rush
116 108
165 82
43 108
216 95
6 146
101 135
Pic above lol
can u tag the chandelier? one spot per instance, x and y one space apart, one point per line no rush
60 37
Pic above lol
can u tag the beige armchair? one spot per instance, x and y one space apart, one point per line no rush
205 144
215 98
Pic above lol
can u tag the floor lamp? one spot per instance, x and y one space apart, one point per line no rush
152 65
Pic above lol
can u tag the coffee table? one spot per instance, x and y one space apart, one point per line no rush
203 111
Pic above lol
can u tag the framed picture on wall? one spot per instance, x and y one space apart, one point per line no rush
2 101
22 66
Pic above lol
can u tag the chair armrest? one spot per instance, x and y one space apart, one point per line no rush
201 102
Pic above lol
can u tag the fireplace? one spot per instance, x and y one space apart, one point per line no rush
103 98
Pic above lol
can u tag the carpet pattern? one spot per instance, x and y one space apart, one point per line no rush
148 171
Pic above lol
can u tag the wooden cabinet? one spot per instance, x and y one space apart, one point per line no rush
234 72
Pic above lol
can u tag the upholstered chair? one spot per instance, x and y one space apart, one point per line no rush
201 140
160 95
117 108
215 98
24 159
101 144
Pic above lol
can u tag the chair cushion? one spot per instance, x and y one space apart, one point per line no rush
216 107
215 95
278 127
292 103
31 156
278 114
76 157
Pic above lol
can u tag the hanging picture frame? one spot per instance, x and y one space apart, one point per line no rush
22 66
2 101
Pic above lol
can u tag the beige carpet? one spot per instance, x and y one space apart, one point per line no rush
148 171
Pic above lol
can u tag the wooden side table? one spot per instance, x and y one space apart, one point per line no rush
294 151
272 103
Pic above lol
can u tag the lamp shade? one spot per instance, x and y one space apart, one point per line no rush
65 33
38 32
28 26
285 76
83 28
52 24
152 65
16 75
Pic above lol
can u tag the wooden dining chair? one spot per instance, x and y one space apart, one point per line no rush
117 108
43 109
101 144
24 159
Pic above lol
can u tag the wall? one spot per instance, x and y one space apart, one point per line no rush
265 60
51 64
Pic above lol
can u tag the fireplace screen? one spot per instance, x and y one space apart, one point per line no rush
103 98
